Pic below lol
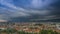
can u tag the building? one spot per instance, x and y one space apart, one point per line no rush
58 26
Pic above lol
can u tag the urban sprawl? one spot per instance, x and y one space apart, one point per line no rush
30 27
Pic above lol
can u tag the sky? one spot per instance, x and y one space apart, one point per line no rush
29 9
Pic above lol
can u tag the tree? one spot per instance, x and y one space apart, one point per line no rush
11 31
48 32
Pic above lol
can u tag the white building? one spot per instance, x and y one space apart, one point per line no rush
58 26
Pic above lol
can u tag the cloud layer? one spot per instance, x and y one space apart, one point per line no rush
29 8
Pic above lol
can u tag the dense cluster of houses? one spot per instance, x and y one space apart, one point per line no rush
32 27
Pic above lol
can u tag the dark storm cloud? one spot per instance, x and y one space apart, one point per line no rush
56 7
30 9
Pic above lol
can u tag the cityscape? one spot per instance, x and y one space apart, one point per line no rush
29 16
30 28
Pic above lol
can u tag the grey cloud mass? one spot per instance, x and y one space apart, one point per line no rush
35 10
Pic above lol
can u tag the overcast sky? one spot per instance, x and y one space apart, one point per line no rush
45 9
